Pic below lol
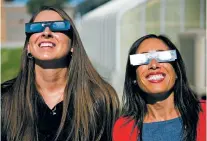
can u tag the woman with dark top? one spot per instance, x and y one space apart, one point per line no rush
57 95
158 104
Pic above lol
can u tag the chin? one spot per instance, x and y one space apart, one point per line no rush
46 57
157 91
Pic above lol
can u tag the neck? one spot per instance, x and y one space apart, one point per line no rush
51 83
161 110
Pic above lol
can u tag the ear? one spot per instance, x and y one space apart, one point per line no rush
28 48
71 50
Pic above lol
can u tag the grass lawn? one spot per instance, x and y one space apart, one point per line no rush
10 63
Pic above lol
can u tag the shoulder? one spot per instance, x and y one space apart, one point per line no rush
124 130
202 122
202 114
203 105
6 86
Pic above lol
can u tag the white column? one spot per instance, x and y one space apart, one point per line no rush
202 13
200 64
182 15
143 19
162 16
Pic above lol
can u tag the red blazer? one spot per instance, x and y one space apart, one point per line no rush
124 132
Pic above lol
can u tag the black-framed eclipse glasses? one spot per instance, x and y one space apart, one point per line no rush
55 26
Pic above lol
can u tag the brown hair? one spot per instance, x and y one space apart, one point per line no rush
92 101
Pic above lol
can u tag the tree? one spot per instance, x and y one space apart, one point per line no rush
8 0
34 5
89 5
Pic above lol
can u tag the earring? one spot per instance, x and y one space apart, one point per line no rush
70 54
134 82
176 77
29 55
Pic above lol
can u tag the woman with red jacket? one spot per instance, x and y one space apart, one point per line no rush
158 104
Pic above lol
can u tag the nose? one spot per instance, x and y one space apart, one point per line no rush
153 64
47 33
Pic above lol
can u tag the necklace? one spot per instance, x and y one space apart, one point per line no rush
54 111
51 101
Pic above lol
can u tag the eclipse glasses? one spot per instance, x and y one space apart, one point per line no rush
54 26
160 56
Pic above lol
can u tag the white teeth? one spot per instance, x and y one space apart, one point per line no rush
46 45
155 77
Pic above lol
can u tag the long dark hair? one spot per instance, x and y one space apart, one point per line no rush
94 103
185 99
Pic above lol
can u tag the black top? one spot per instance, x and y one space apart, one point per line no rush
48 120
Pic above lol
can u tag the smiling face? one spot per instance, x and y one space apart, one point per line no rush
48 45
155 77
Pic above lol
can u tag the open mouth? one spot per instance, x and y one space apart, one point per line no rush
156 77
46 44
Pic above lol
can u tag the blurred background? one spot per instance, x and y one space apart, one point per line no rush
109 27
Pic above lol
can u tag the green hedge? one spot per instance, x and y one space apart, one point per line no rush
10 63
